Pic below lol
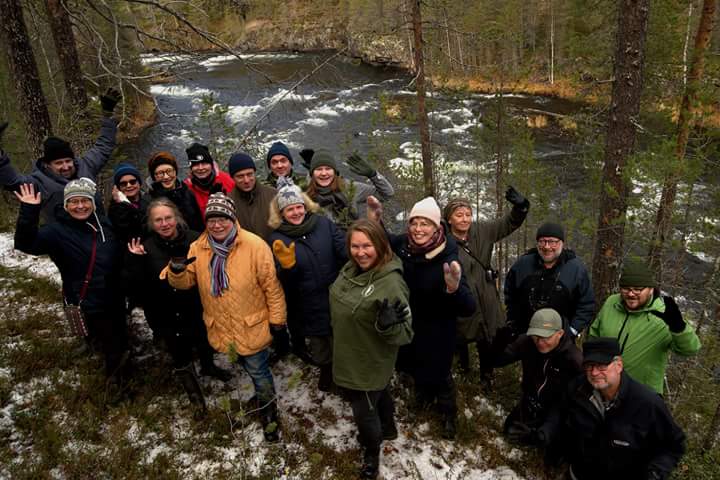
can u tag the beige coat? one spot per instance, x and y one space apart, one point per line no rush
242 315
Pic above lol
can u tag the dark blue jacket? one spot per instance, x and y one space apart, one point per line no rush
434 311
184 199
68 242
319 257
566 287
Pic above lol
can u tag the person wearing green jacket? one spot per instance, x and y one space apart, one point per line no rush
648 326
370 320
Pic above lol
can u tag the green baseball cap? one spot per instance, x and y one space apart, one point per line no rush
545 322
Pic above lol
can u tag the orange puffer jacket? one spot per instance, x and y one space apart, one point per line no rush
253 300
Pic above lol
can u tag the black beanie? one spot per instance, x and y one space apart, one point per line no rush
278 148
55 148
636 273
550 229
240 161
322 159
198 153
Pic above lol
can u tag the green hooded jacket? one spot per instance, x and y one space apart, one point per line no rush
364 356
644 338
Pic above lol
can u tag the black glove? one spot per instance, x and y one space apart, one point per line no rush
109 100
179 264
359 166
671 315
388 316
516 198
307 154
504 336
522 434
280 343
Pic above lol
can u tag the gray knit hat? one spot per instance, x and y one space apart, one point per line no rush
220 205
82 187
288 193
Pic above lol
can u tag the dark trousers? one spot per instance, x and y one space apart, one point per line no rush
110 331
182 335
485 355
440 392
320 349
373 412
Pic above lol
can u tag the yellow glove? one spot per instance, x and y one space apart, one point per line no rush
285 255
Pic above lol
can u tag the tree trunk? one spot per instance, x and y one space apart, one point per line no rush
21 62
428 175
620 142
686 122
61 28
552 43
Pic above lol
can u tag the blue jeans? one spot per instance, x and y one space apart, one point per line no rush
258 367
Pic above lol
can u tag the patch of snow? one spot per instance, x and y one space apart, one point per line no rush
37 266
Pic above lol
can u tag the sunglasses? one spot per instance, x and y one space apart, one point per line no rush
128 183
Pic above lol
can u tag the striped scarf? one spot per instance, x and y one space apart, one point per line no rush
221 250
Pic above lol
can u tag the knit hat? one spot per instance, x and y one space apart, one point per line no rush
635 273
278 148
550 229
125 169
601 350
322 159
220 205
161 158
545 323
55 148
426 208
240 161
288 193
453 205
198 153
82 187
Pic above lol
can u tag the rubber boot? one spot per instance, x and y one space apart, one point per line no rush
189 381
209 369
325 382
371 464
270 423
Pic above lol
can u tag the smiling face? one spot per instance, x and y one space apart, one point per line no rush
362 251
219 227
245 179
605 377
163 222
130 186
421 230
79 208
280 165
323 175
547 344
294 214
460 221
166 175
65 167
635 298
549 249
201 170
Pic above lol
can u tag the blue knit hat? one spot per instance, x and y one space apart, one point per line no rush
125 169
278 148
240 161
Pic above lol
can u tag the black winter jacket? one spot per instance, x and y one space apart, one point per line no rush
566 287
434 311
128 220
159 300
544 376
184 199
319 257
68 242
636 436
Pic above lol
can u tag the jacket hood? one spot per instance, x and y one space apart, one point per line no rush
352 274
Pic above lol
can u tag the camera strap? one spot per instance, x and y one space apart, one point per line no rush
467 250
88 274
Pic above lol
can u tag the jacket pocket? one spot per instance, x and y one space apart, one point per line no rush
255 330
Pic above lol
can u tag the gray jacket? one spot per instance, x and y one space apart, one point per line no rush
49 184
379 187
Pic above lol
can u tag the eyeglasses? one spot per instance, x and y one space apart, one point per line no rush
600 367
170 172
548 242
633 290
79 201
128 183
218 221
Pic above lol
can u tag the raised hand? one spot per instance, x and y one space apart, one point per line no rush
109 100
136 247
118 196
375 209
307 155
515 197
285 255
452 273
361 167
671 316
28 195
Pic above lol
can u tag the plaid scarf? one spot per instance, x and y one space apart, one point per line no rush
221 250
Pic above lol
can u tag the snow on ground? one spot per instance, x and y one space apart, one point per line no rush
325 418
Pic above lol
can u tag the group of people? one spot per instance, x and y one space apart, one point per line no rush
258 268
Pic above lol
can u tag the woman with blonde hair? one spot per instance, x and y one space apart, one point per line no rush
371 320
309 252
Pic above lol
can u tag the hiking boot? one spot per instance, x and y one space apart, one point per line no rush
270 423
370 465
389 432
325 383
209 369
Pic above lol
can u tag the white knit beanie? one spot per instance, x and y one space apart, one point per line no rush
426 208
82 187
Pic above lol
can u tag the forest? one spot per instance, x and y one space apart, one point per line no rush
604 114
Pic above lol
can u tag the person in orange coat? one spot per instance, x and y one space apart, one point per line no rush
242 299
